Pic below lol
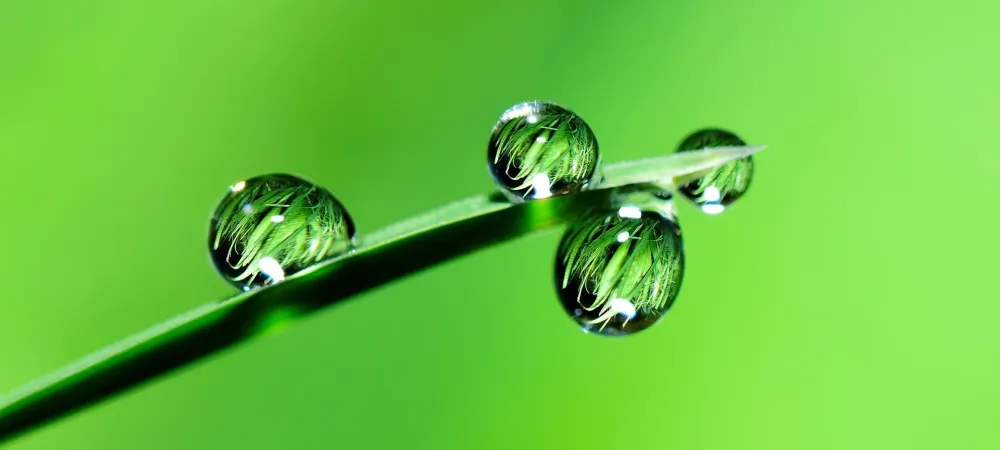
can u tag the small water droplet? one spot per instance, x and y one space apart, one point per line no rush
614 286
269 227
540 149
717 189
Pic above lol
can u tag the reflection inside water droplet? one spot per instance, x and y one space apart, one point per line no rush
539 150
718 188
268 228
618 271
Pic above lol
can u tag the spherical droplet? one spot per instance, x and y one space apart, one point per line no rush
269 227
539 150
719 188
618 272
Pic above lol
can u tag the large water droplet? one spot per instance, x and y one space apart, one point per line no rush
618 272
539 150
272 226
719 188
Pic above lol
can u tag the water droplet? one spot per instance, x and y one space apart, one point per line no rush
269 227
717 189
616 273
539 150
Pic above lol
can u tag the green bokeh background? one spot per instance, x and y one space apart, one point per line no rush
849 301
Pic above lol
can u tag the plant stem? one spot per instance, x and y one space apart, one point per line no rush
380 258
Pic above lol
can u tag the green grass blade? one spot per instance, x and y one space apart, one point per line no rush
381 257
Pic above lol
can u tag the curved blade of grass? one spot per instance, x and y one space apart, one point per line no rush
381 257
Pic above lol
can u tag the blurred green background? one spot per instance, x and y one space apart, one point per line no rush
849 301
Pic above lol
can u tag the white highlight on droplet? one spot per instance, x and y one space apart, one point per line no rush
270 267
712 194
623 236
278 218
526 110
238 186
542 185
712 208
247 208
541 139
630 212
622 306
